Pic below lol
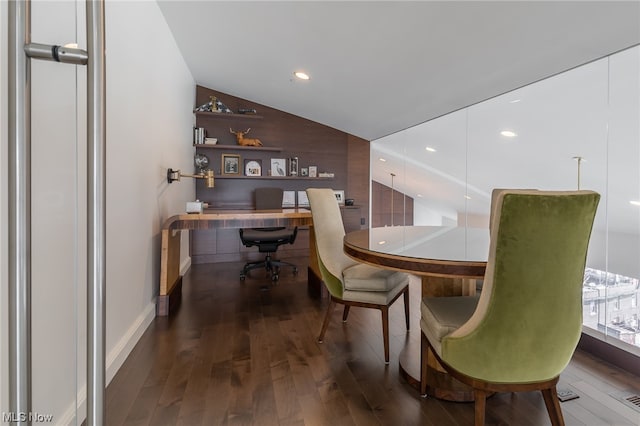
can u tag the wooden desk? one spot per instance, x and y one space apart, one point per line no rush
448 260
170 278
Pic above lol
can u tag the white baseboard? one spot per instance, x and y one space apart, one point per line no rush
120 352
115 359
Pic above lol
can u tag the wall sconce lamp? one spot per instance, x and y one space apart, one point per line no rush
207 175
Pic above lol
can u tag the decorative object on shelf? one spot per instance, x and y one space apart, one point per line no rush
201 162
339 196
210 141
288 198
214 105
207 175
278 167
199 135
304 171
293 166
348 202
247 111
313 171
245 141
326 175
195 206
253 167
213 101
230 164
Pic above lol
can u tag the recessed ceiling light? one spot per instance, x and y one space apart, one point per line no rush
635 203
420 195
382 242
430 149
515 101
382 159
467 197
508 133
301 75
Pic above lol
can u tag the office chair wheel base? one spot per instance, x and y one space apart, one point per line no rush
274 277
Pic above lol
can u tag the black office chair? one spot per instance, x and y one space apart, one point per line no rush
268 239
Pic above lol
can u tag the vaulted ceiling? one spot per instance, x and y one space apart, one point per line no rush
378 67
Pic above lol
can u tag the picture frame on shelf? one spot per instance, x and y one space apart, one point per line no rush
293 166
304 171
313 171
252 167
230 164
278 167
339 196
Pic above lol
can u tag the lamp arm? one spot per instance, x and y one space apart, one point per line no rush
175 175
198 176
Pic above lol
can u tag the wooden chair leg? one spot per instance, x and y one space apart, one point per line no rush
406 306
385 332
480 404
424 365
327 317
345 313
553 406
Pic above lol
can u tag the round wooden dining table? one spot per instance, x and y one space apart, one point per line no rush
448 260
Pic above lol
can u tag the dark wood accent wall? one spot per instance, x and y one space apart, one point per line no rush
283 135
381 206
358 176
314 144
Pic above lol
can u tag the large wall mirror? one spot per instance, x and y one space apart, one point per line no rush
581 129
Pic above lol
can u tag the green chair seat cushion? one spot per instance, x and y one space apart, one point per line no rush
362 277
440 316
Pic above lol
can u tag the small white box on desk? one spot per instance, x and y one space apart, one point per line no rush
194 207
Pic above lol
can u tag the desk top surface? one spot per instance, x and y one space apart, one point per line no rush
238 218
429 250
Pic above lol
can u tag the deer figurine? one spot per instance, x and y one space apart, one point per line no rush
245 141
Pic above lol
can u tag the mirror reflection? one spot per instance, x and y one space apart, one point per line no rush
576 130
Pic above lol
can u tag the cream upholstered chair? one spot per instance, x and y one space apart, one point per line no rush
521 332
349 282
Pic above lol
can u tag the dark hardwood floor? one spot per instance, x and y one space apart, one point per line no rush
245 353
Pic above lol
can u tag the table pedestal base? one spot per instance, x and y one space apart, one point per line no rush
442 385
439 383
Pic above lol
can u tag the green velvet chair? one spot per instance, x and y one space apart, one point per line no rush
521 332
348 281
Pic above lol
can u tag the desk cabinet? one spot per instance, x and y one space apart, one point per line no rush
352 218
224 245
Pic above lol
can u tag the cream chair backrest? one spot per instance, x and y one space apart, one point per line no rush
329 230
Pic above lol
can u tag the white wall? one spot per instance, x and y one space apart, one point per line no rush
150 96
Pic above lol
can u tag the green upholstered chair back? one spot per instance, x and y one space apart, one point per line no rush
329 235
529 316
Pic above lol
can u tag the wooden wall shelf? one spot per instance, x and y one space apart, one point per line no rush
272 177
225 115
284 136
240 147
